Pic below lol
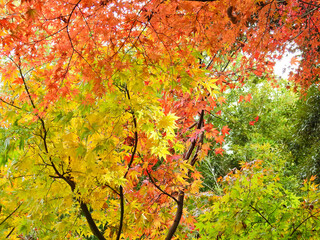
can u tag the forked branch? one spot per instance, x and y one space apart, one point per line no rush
187 156
60 175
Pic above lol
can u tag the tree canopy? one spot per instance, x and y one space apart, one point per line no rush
106 105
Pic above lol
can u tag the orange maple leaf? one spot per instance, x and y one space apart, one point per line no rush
312 178
219 139
205 147
221 100
294 61
225 130
212 133
219 151
248 98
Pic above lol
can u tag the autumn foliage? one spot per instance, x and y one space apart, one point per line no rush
104 105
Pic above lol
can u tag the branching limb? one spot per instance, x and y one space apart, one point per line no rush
180 200
115 191
133 153
310 216
60 175
192 126
165 193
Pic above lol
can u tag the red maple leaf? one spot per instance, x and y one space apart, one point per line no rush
225 130
219 151
212 133
195 135
241 99
18 80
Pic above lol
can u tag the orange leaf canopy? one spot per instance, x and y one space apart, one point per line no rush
70 42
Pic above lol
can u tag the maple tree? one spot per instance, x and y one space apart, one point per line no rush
257 203
104 105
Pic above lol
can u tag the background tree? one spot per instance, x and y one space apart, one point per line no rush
260 113
258 203
305 140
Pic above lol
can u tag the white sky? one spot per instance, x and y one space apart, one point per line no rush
283 66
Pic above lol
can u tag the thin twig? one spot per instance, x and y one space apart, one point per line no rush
260 214
12 105
296 228
11 214
165 193
10 232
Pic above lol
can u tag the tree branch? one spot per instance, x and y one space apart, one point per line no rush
296 228
260 214
67 179
178 216
133 153
90 221
121 213
193 143
11 214
165 193
115 191
179 211
12 105
134 150
10 232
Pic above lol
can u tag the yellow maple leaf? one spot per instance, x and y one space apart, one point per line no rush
167 122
